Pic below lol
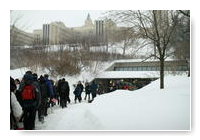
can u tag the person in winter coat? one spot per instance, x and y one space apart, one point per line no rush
49 85
87 91
68 98
53 100
17 83
17 93
93 88
80 85
42 110
58 90
100 88
15 108
57 94
31 98
77 92
64 92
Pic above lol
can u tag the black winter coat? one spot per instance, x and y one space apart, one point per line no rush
87 89
64 88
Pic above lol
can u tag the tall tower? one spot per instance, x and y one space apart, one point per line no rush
88 21
46 33
99 24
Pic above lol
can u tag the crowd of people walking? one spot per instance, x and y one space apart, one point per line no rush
35 95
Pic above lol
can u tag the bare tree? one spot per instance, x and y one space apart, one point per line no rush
155 26
185 12
181 38
127 36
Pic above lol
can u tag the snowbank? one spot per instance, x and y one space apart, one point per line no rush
146 109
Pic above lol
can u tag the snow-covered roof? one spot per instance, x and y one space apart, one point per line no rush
128 74
141 60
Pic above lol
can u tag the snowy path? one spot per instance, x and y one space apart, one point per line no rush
74 117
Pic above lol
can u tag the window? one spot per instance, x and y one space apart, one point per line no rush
184 68
121 69
134 68
116 69
144 68
129 68
149 68
139 68
125 68
167 68
153 68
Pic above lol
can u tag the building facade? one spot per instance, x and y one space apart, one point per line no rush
55 33
38 35
174 65
19 37
135 74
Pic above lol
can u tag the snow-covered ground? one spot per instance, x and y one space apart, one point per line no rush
146 109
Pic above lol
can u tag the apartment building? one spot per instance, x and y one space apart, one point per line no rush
55 33
38 37
19 37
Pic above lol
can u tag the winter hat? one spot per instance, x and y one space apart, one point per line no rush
35 76
41 79
28 77
17 80
46 76
63 80
28 72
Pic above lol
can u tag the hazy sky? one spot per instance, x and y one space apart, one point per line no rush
30 19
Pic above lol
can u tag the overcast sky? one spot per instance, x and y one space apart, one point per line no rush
30 20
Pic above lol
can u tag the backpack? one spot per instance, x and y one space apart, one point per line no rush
77 91
28 92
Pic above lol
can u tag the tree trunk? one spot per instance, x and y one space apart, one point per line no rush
124 50
189 72
188 68
162 73
107 47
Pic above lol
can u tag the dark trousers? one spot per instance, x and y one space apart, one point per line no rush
63 101
86 96
78 97
93 95
29 118
42 109
68 99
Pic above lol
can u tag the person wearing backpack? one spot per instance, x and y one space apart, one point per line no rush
37 85
30 97
78 91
